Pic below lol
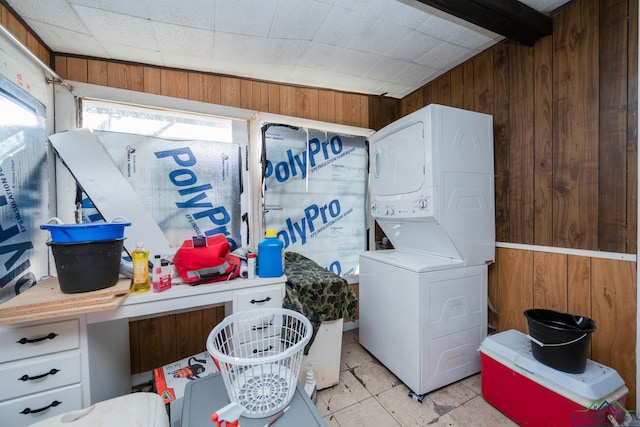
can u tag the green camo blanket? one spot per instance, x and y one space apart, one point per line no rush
316 292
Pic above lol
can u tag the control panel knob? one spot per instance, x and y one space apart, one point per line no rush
373 208
423 203
389 211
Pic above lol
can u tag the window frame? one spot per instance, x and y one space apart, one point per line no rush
252 151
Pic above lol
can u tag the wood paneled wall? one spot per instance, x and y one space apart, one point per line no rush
598 288
16 27
161 340
565 127
317 104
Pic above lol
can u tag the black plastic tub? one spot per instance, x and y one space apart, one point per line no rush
87 266
560 340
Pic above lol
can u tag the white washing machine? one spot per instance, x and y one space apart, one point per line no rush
423 305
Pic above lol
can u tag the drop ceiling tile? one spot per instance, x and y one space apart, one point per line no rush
271 72
109 27
133 54
381 37
415 45
237 47
544 6
385 68
393 90
192 13
186 62
343 27
472 39
62 40
231 68
445 56
352 62
135 8
367 7
318 55
298 20
404 14
282 51
442 26
329 79
184 40
250 17
52 12
413 75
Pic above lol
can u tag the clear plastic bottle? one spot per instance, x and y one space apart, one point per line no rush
156 273
310 386
140 261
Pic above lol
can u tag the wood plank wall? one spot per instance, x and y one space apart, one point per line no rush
565 127
20 31
565 131
161 340
309 103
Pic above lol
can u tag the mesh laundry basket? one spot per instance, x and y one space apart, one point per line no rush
259 353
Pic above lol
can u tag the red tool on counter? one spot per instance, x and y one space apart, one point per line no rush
229 415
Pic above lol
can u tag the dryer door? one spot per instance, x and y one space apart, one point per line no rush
398 164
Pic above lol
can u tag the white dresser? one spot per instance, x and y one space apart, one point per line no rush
43 370
59 364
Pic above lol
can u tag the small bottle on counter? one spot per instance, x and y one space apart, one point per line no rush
156 273
270 255
251 266
140 261
165 278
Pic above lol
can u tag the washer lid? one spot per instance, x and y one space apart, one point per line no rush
414 261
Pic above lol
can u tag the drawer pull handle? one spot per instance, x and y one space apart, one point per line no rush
26 377
262 351
30 341
36 411
260 301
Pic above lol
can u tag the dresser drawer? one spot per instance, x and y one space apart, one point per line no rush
39 374
29 341
263 297
256 328
37 407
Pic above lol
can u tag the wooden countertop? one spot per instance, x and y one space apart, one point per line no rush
45 301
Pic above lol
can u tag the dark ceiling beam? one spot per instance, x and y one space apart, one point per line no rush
509 18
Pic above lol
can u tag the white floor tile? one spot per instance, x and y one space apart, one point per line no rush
365 414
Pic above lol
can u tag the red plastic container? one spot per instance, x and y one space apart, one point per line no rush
533 394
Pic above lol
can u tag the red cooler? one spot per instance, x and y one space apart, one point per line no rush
534 394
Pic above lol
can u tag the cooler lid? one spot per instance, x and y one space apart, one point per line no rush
513 349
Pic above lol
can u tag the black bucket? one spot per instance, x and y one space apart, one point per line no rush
87 266
560 340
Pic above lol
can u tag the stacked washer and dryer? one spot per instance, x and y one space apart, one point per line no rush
423 304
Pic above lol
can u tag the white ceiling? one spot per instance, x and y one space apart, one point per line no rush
366 46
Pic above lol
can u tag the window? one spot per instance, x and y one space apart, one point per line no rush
115 117
315 193
23 190
184 167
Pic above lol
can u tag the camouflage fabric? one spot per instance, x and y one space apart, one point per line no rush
316 292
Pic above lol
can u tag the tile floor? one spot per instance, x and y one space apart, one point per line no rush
368 394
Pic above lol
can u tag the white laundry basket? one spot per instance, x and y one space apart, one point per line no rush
259 353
